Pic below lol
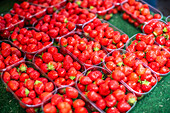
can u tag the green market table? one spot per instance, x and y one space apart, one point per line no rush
155 102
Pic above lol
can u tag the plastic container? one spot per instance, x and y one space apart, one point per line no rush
100 14
36 15
105 74
32 28
168 19
19 24
128 87
88 105
146 23
151 9
155 43
57 37
50 7
64 52
41 75
110 25
22 55
70 53
77 25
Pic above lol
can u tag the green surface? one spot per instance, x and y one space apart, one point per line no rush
158 101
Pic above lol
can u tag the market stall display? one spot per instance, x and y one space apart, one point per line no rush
77 61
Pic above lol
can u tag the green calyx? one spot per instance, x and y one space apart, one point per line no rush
96 49
145 82
65 45
40 55
86 34
26 91
14 39
23 68
65 20
88 72
54 8
113 42
131 101
167 37
120 64
37 82
91 7
165 30
78 3
124 56
50 66
72 77
155 33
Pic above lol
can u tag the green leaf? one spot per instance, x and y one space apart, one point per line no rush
26 92
165 30
78 3
65 20
50 66
23 68
96 49
37 82
72 77
120 64
88 72
91 7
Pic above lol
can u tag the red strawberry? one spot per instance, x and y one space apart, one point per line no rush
38 87
22 92
13 85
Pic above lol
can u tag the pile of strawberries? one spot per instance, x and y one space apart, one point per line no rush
60 67
9 55
51 5
29 40
103 8
104 33
137 13
125 66
108 94
86 51
153 55
79 64
28 84
77 15
27 10
67 100
9 23
161 32
55 25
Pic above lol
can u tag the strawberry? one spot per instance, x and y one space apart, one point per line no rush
38 87
22 92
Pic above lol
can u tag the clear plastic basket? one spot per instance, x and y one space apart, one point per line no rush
54 7
151 9
19 24
105 72
22 55
32 28
41 74
64 52
88 105
57 37
84 64
128 87
155 43
36 15
110 25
